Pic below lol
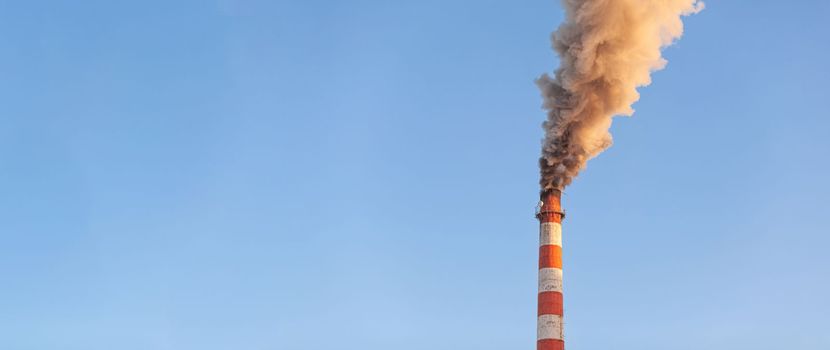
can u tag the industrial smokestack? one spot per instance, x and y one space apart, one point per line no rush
549 324
607 49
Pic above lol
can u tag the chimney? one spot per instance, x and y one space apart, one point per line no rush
549 324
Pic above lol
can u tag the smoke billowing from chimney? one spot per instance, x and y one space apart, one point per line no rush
607 49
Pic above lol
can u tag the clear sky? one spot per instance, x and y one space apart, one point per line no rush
304 175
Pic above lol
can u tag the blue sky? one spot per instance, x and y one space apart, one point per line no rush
302 175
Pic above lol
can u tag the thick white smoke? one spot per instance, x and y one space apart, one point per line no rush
607 48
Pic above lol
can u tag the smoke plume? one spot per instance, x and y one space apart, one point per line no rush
607 49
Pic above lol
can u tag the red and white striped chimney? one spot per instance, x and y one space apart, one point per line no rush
550 325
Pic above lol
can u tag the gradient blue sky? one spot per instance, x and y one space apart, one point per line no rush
304 175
